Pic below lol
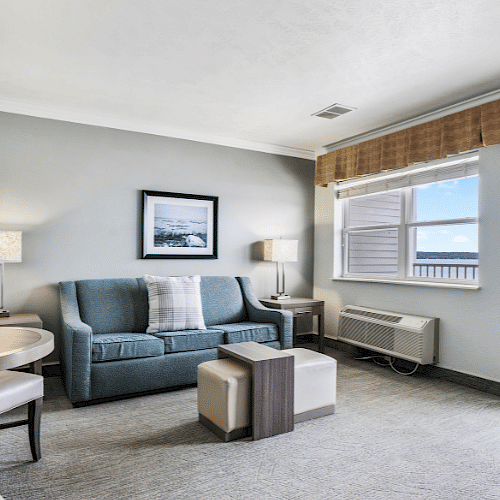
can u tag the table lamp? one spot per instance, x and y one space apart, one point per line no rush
10 251
280 251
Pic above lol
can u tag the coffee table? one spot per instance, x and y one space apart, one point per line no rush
272 373
20 346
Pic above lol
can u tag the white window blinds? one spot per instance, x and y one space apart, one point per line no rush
416 176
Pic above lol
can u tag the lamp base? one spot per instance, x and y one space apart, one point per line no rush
280 297
4 313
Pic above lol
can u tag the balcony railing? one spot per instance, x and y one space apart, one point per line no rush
451 271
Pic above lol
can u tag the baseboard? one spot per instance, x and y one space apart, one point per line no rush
52 369
431 371
481 384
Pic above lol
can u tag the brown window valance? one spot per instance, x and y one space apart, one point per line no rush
463 131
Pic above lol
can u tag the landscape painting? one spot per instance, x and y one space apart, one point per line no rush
179 225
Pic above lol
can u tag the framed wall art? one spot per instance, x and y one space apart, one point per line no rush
179 226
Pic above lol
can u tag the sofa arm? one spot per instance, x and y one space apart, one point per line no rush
76 345
258 312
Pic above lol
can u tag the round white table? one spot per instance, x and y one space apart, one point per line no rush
20 346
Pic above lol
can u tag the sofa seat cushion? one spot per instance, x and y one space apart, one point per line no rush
248 331
113 346
191 340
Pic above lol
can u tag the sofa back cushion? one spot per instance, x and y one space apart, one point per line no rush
121 305
113 305
222 300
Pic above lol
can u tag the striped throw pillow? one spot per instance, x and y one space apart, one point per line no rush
174 303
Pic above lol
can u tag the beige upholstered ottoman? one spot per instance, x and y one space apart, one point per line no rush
224 392
224 398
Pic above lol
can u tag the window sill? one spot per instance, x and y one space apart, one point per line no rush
430 284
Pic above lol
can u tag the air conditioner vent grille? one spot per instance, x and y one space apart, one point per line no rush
325 114
409 337
376 335
381 336
383 317
338 109
333 111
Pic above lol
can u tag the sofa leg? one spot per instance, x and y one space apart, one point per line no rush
34 417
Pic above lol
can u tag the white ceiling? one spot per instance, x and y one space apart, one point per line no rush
247 73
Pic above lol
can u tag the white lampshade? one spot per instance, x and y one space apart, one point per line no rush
281 250
10 246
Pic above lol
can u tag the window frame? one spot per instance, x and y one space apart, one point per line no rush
404 228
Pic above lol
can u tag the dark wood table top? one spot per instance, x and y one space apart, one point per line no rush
293 302
252 351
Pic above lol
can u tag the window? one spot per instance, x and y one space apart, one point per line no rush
420 225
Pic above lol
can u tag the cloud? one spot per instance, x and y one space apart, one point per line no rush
448 185
445 231
421 235
460 239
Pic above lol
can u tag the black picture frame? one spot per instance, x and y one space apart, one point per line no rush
179 226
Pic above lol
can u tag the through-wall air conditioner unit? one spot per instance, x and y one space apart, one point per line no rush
404 336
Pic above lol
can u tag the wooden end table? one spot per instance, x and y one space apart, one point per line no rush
302 307
272 373
28 320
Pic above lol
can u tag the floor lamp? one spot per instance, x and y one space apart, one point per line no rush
280 251
10 251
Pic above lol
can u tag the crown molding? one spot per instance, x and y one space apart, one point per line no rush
417 120
97 120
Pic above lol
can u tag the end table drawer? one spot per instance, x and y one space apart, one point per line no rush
306 311
303 311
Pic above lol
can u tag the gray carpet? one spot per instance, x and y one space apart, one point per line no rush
392 437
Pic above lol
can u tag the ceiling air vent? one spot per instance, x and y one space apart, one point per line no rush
333 111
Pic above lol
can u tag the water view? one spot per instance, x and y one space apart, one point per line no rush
453 265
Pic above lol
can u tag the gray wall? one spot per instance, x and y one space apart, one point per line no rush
74 190
469 319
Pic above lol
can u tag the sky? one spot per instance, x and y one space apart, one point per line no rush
181 211
448 200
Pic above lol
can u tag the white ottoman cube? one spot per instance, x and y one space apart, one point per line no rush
315 385
224 398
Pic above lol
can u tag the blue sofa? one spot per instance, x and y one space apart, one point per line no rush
105 351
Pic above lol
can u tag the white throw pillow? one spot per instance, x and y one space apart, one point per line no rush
174 303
